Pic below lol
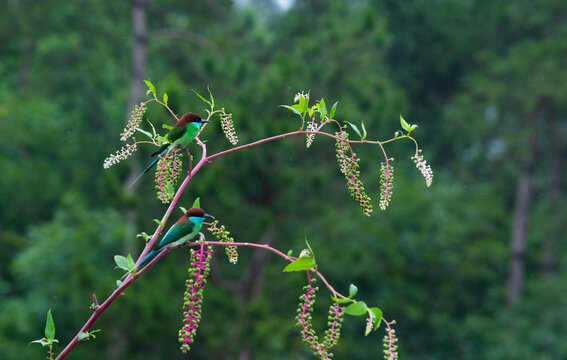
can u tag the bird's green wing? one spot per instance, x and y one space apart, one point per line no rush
176 232
176 133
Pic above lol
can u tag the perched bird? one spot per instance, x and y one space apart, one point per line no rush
185 229
182 134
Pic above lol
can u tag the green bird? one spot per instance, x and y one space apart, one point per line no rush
186 228
182 134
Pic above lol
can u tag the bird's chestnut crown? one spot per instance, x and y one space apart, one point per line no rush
189 118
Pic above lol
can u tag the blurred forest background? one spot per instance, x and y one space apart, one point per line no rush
472 268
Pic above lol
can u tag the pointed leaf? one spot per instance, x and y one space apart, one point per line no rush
118 283
301 264
322 109
309 247
295 111
341 300
202 98
359 308
165 97
377 316
303 104
333 109
364 133
145 133
82 336
197 202
413 127
151 86
355 128
122 262
352 290
404 124
289 252
41 341
131 263
49 327
183 210
165 126
212 103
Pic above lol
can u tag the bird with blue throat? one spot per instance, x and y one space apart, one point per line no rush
182 134
185 229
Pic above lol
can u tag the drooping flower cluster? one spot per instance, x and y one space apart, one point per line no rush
423 167
389 343
128 149
304 323
348 163
120 155
311 126
134 123
386 183
193 298
228 127
167 174
223 235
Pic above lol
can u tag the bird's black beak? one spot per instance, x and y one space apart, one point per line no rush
209 216
205 121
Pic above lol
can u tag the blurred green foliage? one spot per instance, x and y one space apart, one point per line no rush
469 73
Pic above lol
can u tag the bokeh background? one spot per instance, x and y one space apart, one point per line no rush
471 268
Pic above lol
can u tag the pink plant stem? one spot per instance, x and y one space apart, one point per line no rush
275 251
131 278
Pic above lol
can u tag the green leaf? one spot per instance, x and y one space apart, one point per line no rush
359 308
151 87
333 109
131 263
165 126
165 97
183 210
162 140
413 127
303 263
377 317
212 103
82 336
197 202
294 110
118 283
341 300
302 105
49 327
145 133
352 290
404 124
158 222
355 128
202 98
289 252
143 235
309 247
322 109
122 262
364 133
43 343
397 134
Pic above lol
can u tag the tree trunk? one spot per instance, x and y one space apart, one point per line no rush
522 200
